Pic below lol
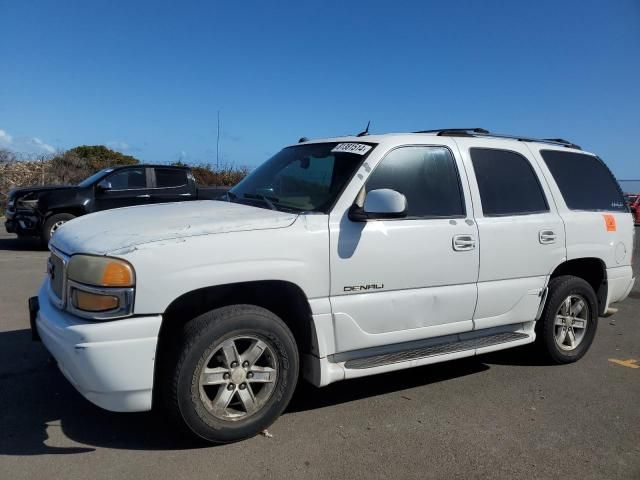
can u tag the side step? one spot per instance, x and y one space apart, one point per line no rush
433 350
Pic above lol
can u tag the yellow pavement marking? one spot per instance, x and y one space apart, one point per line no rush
631 363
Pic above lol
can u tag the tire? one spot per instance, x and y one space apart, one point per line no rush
52 223
270 379
553 329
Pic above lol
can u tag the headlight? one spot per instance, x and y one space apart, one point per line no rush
100 288
100 271
30 204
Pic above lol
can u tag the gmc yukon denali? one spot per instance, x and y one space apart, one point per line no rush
336 259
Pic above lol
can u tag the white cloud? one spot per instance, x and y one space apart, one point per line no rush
40 144
5 138
28 145
119 145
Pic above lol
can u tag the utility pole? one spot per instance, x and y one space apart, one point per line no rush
218 144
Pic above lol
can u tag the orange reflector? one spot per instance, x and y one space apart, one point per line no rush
93 302
610 222
117 274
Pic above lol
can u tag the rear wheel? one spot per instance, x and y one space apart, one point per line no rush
569 320
52 224
234 373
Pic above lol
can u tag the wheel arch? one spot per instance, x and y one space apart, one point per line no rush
283 298
591 269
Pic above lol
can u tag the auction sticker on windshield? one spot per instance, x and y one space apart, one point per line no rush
357 148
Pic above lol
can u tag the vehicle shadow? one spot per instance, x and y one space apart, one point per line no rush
13 243
36 400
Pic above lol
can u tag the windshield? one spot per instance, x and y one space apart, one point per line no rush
95 177
302 178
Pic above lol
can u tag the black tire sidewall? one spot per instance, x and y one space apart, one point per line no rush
46 229
559 289
215 327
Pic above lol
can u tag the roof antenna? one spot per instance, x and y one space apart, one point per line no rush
366 130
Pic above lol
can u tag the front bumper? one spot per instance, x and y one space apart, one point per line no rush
109 363
22 223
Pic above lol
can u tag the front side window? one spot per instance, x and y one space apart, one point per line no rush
133 178
507 183
303 177
427 176
170 177
584 181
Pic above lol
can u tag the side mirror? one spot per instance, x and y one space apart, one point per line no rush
380 204
104 185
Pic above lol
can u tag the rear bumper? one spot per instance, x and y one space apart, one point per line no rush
109 363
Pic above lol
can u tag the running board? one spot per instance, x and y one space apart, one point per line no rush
433 350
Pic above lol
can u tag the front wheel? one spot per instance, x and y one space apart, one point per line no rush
569 320
52 224
234 374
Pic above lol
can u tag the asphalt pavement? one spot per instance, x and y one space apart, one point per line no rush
503 415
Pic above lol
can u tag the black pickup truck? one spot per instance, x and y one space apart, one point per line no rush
39 211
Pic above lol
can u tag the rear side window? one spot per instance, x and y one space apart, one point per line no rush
507 183
427 176
170 177
584 181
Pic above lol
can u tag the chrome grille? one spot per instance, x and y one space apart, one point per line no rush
56 275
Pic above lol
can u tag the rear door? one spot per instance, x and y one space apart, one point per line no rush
522 237
126 187
171 185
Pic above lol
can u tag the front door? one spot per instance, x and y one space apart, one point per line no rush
405 279
123 188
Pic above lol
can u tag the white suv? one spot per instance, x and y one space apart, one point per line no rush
336 259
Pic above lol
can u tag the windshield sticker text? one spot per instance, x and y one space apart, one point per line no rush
357 148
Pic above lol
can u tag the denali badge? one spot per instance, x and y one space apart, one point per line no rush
359 288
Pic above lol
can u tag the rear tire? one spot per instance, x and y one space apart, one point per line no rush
233 373
52 224
569 320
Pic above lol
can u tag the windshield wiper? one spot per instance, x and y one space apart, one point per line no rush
268 200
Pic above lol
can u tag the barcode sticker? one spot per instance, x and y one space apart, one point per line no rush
357 148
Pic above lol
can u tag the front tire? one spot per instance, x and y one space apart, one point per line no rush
569 320
52 224
235 371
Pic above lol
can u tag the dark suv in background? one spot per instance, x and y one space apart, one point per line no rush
39 211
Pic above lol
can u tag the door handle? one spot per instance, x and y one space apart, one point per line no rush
143 196
463 243
185 194
547 236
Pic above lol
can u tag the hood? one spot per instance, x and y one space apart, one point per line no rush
121 230
19 192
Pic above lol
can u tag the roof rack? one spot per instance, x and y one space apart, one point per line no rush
481 132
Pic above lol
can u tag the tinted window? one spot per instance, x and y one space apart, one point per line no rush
170 177
585 182
507 183
427 176
128 179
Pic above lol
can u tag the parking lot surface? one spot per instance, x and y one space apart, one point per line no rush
502 415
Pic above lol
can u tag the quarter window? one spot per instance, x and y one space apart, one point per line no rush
170 177
507 183
584 181
427 176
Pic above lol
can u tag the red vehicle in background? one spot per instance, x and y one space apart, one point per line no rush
633 200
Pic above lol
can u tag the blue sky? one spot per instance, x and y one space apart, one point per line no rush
147 77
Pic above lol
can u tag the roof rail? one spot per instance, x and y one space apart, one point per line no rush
481 132
456 131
